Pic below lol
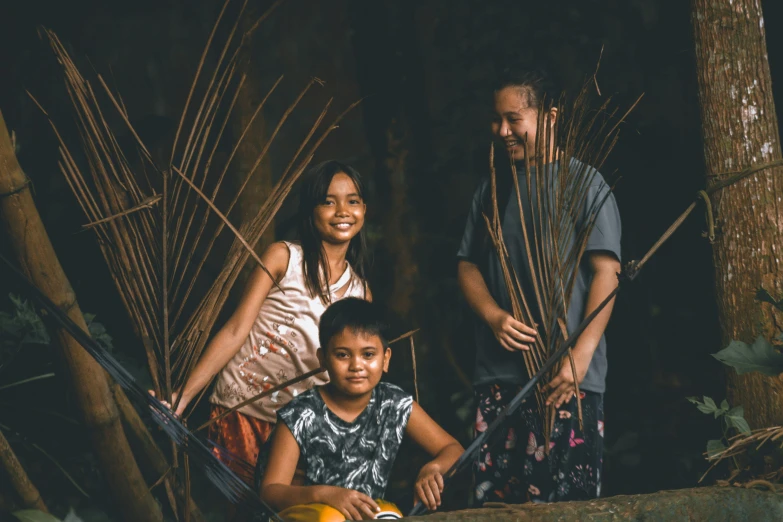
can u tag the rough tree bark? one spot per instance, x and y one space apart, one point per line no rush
38 261
741 130
20 482
251 95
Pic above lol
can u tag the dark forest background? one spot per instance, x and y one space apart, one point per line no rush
420 139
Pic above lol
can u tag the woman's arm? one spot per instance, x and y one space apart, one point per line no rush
232 335
605 268
277 491
510 333
439 444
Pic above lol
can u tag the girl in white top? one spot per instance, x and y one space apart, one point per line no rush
272 336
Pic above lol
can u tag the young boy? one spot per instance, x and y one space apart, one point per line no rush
347 432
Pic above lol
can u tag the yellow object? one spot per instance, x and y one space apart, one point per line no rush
325 513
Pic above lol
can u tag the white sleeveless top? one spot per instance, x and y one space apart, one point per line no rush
282 343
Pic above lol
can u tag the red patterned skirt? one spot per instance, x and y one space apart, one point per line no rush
243 436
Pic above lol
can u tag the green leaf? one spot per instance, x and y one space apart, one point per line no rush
761 357
708 406
33 515
714 447
741 424
725 405
735 418
736 411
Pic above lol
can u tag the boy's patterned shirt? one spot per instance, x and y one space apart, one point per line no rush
356 455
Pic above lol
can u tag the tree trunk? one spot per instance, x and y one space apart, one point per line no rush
39 262
712 504
395 124
248 100
21 483
152 461
741 130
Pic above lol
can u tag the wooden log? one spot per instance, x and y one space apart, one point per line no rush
711 504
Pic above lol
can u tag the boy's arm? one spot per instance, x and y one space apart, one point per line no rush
510 333
605 267
277 491
439 444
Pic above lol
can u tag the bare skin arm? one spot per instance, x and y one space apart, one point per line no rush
439 444
277 491
512 335
232 335
605 268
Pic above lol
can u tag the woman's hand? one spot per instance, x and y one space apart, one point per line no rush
562 387
429 486
180 407
354 505
510 333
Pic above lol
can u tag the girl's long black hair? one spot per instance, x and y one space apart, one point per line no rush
313 193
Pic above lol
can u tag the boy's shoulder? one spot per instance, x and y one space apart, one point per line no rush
387 390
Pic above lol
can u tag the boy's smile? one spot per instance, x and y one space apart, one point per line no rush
355 361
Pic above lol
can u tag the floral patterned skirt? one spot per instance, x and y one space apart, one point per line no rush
513 466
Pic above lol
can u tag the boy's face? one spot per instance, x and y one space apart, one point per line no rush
355 361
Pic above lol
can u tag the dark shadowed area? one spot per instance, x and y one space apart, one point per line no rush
420 138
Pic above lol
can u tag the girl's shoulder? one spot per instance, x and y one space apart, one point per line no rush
276 258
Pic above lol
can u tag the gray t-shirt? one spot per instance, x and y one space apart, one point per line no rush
494 364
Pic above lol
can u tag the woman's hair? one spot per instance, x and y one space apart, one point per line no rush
313 193
360 316
536 84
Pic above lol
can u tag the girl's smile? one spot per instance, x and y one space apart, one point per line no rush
340 216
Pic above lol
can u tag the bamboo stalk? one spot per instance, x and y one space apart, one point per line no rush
20 482
38 260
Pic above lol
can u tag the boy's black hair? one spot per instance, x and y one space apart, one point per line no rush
357 314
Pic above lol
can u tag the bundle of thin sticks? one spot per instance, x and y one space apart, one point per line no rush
742 442
157 224
557 219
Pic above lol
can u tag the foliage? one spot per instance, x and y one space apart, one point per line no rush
34 515
733 418
760 357
24 327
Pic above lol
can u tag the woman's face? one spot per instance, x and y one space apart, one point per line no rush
340 216
514 122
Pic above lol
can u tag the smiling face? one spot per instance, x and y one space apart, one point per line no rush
515 120
340 216
355 361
